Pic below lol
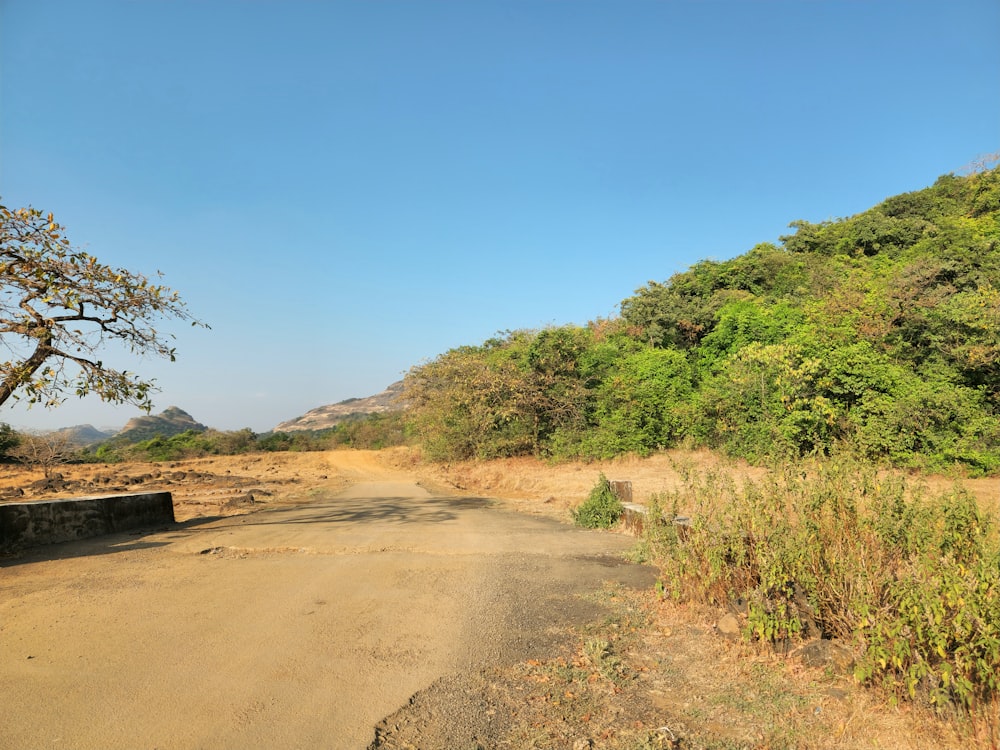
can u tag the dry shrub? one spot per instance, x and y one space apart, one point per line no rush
837 549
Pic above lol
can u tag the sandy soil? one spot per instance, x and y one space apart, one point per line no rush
354 599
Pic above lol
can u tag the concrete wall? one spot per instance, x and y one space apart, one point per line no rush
30 524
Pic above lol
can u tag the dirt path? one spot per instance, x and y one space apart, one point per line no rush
298 626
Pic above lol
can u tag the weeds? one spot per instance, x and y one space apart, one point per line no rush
601 510
605 660
835 549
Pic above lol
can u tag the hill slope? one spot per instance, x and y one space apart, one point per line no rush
878 333
324 417
83 435
171 421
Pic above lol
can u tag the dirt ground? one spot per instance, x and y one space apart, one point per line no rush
354 599
231 485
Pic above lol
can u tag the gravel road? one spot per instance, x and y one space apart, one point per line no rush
298 627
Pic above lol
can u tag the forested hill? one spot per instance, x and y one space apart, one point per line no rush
878 333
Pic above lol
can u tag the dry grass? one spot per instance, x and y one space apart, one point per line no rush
654 675
214 486
539 487
709 692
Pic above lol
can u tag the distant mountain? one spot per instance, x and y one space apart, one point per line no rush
83 435
171 421
324 417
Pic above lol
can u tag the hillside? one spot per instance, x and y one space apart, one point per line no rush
171 421
877 334
324 417
83 435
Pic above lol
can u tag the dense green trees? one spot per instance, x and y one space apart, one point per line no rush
878 334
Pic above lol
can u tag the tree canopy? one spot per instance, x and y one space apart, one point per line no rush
59 306
877 333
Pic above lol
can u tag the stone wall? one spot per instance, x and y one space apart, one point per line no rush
31 524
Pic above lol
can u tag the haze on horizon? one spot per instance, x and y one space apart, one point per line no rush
343 190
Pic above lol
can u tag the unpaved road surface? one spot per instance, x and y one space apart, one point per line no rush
293 627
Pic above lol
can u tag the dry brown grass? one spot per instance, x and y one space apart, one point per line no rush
553 489
528 484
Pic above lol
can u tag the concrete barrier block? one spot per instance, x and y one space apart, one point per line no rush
31 524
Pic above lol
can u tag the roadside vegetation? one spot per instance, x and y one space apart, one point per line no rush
602 509
906 580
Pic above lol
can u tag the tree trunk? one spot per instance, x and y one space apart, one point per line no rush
22 374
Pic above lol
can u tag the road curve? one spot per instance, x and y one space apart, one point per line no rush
294 627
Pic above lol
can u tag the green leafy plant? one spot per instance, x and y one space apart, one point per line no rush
601 510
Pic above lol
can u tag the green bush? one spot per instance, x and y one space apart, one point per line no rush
837 549
601 510
9 439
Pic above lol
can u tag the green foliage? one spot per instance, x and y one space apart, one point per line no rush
764 402
9 439
836 549
601 510
371 432
929 424
298 441
640 406
504 398
740 324
878 333
188 444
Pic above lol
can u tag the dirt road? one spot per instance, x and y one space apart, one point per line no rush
293 627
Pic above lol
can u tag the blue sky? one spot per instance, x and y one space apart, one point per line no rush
345 189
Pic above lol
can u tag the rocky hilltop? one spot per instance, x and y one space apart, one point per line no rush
324 417
171 421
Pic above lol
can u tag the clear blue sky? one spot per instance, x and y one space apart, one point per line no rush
345 189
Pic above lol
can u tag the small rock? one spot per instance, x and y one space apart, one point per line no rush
826 654
245 499
585 744
729 626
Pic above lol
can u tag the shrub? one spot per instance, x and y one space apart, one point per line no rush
9 439
838 549
601 510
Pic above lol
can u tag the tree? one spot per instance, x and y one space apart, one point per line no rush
471 402
9 439
43 450
59 306
639 405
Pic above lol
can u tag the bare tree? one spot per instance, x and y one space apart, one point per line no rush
43 450
982 163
